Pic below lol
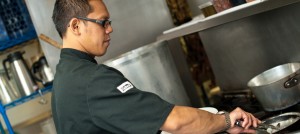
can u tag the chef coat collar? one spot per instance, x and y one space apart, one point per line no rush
77 53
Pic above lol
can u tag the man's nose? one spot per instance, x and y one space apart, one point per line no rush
109 29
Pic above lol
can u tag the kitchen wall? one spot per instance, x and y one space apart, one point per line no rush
136 23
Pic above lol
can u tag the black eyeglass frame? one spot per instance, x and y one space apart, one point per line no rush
100 22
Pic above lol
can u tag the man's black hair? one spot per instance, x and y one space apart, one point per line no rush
65 10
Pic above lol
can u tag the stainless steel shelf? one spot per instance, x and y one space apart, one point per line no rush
226 16
22 100
27 98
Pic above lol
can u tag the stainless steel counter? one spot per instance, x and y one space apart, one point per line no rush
226 16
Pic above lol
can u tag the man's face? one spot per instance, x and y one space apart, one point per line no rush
94 37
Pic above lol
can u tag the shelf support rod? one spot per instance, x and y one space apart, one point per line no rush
5 118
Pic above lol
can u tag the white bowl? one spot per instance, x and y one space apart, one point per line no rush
210 109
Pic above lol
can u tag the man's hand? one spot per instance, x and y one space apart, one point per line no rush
248 121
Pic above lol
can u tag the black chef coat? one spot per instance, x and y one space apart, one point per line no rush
89 98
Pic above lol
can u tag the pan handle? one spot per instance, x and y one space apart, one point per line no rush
261 126
291 82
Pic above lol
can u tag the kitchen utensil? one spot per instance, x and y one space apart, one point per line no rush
276 123
7 92
20 72
281 121
260 127
42 72
278 87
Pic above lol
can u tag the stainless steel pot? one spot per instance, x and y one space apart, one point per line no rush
278 87
151 68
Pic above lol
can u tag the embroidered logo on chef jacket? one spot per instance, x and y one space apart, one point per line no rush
124 87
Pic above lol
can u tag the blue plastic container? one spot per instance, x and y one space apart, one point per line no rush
16 23
3 33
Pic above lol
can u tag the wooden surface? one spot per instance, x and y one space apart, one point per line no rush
50 41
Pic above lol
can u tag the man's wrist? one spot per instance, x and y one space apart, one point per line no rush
227 119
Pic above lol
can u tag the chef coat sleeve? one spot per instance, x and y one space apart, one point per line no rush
116 105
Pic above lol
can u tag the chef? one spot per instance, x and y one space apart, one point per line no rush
91 98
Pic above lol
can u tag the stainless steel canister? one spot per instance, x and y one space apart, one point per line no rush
278 87
20 72
8 92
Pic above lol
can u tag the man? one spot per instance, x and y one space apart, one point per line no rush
95 99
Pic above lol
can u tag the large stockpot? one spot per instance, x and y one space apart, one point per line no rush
278 87
151 68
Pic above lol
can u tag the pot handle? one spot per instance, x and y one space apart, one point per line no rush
291 82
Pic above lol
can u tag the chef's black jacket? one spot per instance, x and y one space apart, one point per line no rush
91 98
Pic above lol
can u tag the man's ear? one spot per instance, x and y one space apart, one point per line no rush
74 26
